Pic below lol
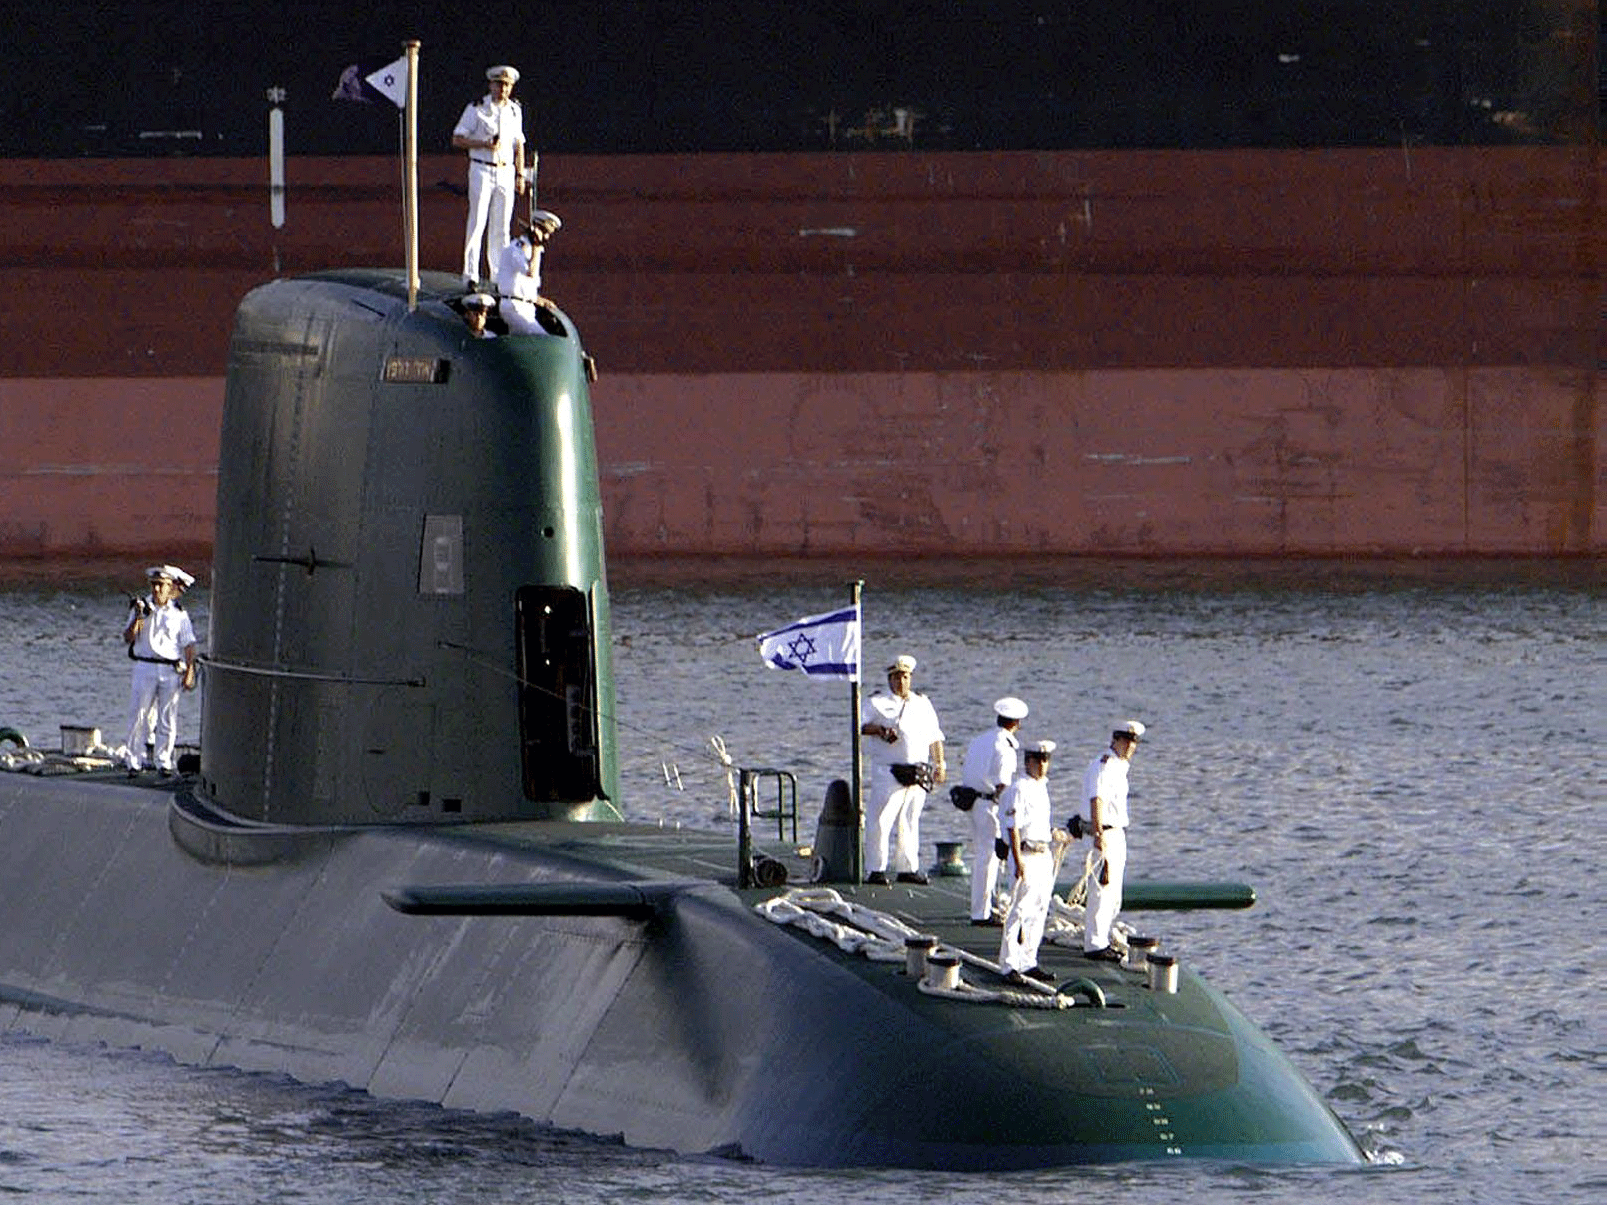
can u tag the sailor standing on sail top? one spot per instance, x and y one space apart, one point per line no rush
990 765
908 750
492 131
161 641
1024 818
1105 789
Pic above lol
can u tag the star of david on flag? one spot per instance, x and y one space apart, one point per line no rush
823 646
368 81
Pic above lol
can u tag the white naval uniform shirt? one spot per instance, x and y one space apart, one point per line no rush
165 634
483 120
512 279
989 760
1025 808
1106 777
915 720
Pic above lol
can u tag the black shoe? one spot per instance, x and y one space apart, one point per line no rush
878 878
1017 978
1038 973
913 876
1105 955
990 923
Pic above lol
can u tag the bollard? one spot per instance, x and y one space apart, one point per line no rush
1139 948
1162 973
949 864
943 971
916 950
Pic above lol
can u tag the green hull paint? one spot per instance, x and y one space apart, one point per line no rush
381 875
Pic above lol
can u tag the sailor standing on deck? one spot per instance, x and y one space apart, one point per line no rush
1024 818
990 765
161 641
906 760
1105 789
492 131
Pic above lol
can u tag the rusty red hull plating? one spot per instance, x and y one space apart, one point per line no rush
1326 352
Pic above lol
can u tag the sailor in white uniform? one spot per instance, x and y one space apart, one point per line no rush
476 310
990 765
1024 819
492 131
908 739
161 642
1105 792
519 274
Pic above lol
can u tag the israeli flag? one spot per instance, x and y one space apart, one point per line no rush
823 646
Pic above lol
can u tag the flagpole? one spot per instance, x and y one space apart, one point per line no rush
410 202
853 705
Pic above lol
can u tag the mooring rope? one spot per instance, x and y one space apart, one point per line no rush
856 928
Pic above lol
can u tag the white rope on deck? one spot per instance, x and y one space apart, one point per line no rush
41 762
856 928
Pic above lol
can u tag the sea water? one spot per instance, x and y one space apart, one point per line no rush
1405 760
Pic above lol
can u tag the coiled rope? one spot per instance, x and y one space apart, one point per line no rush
879 936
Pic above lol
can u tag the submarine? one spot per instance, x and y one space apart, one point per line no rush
401 861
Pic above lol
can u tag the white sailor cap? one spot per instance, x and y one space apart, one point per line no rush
479 301
903 663
1129 729
503 71
1039 748
1010 708
171 573
546 221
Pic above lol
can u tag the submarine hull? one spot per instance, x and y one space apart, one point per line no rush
392 869
703 1029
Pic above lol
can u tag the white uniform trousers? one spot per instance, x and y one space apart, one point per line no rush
907 833
1029 909
153 703
1105 899
490 214
884 821
984 862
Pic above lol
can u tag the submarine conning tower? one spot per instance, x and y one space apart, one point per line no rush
410 617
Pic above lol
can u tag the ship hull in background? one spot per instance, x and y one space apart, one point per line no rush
1228 352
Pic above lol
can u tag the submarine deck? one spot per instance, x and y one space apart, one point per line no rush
940 908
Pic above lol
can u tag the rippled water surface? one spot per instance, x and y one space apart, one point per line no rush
1405 760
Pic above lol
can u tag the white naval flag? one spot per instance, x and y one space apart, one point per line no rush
823 646
390 81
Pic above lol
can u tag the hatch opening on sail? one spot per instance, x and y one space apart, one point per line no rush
558 742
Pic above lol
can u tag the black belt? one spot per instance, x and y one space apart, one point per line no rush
133 656
487 162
